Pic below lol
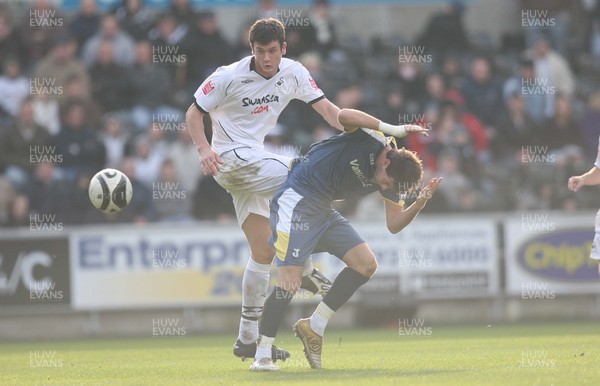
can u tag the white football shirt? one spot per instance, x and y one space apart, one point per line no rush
597 163
244 106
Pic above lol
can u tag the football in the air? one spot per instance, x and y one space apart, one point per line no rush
110 190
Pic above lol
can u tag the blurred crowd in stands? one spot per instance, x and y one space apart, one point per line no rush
511 120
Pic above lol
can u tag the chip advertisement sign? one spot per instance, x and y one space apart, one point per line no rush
554 258
34 271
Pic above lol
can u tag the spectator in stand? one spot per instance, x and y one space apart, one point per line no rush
183 12
62 63
80 210
409 76
451 71
141 207
242 48
134 18
75 90
481 91
11 42
151 98
183 153
14 87
207 48
78 144
445 32
6 200
123 45
513 129
147 161
525 82
435 89
211 202
48 194
171 200
19 143
86 22
111 86
551 70
169 41
40 25
19 212
116 141
456 183
538 15
46 113
563 130
590 125
322 28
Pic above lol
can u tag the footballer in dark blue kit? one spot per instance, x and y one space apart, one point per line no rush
358 162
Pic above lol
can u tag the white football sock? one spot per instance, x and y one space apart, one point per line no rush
308 267
263 348
320 318
255 285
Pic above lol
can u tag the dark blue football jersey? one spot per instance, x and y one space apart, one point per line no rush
340 167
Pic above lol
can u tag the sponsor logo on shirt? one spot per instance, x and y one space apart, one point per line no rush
361 176
313 84
246 81
259 101
208 88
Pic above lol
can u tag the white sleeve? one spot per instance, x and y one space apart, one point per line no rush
597 163
211 92
307 91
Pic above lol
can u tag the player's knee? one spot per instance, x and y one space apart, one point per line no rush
370 268
263 254
367 267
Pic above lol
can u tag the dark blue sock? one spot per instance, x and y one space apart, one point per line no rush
344 286
273 311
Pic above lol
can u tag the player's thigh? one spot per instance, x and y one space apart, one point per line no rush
257 231
253 171
289 277
296 228
343 241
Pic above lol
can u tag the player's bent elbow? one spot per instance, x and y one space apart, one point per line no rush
394 228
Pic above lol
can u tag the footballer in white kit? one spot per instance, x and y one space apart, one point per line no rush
244 100
244 107
592 177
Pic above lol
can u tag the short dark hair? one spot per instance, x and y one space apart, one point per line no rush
264 31
406 168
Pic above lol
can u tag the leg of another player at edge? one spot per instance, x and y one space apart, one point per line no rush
255 282
361 265
288 282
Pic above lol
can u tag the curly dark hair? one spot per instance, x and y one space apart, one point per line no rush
264 31
406 168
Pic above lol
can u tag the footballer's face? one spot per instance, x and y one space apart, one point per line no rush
381 177
267 57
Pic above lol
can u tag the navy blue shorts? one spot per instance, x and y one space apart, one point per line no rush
300 228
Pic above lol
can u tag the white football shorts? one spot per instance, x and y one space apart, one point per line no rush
596 244
252 177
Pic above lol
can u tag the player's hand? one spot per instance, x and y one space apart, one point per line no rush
417 129
575 183
429 189
210 161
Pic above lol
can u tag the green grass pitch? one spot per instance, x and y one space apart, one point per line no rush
511 354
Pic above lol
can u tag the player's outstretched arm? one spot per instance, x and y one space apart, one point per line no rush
351 119
329 112
397 218
590 178
209 159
